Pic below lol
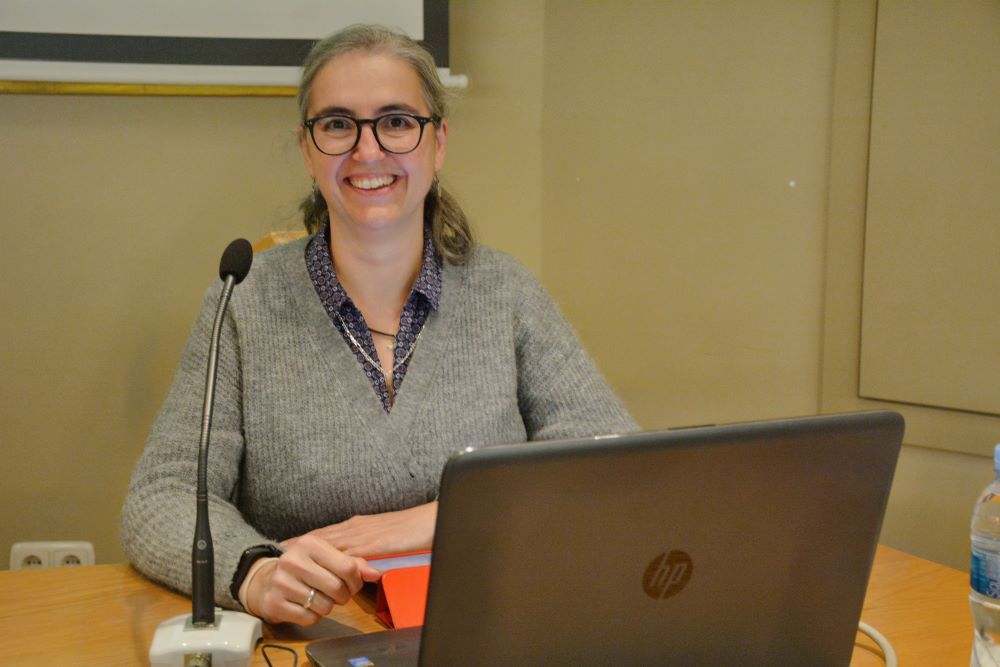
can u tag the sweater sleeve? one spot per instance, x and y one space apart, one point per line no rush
561 392
157 523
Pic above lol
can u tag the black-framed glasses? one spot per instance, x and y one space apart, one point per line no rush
397 133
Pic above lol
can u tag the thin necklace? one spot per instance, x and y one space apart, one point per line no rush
391 346
384 333
368 358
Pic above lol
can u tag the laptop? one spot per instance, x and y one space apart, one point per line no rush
745 544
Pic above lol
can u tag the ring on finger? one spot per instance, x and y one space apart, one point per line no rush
310 599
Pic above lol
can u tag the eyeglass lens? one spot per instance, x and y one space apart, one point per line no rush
396 133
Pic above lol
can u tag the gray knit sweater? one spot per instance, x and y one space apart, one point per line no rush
299 438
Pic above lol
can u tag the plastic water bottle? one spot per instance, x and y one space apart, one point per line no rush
984 574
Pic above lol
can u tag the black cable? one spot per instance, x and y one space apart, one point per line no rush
263 651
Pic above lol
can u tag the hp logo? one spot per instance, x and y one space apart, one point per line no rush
667 574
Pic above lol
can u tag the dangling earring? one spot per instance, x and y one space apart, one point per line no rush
316 194
436 187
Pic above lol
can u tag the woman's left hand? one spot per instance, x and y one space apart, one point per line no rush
370 535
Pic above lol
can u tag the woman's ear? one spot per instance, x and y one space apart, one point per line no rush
441 134
306 149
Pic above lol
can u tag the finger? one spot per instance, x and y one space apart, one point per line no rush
335 575
344 569
306 608
308 561
317 602
334 588
322 604
281 596
313 563
295 575
276 608
359 550
368 573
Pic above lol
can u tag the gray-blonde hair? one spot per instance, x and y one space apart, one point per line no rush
449 226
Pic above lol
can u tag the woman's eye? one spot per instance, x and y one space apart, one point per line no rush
335 124
398 123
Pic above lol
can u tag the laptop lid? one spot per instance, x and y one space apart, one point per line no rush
742 544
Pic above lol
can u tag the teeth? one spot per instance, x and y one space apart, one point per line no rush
372 182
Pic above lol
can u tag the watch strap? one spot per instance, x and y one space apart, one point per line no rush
248 558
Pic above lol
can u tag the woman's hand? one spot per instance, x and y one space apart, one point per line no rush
280 591
379 534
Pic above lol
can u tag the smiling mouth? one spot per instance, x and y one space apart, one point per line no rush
371 182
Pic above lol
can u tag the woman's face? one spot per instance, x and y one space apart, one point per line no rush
368 187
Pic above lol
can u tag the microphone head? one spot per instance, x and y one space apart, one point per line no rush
236 260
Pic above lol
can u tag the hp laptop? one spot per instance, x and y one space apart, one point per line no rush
745 544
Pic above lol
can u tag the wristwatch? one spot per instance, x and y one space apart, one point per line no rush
246 560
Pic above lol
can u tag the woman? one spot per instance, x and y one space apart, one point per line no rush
355 361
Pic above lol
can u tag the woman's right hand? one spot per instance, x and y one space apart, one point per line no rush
279 592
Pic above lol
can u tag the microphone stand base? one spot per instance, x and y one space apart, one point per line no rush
228 643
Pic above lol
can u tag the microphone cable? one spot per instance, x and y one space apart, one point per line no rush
888 652
267 659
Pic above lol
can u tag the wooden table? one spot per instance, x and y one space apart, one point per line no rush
107 614
921 607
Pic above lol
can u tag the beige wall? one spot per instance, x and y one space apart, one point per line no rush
638 156
116 210
685 151
494 161
934 488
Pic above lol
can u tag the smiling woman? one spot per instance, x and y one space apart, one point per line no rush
447 222
321 454
371 192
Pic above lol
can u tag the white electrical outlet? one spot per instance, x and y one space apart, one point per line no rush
27 555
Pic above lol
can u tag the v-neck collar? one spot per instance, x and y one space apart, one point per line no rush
353 388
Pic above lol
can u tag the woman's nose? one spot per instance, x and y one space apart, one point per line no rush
368 147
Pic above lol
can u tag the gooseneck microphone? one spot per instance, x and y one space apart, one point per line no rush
233 268
228 637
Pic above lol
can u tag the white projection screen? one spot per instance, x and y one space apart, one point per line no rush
191 42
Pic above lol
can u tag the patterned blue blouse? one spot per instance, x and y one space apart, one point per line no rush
425 295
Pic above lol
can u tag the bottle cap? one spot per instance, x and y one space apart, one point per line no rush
996 459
